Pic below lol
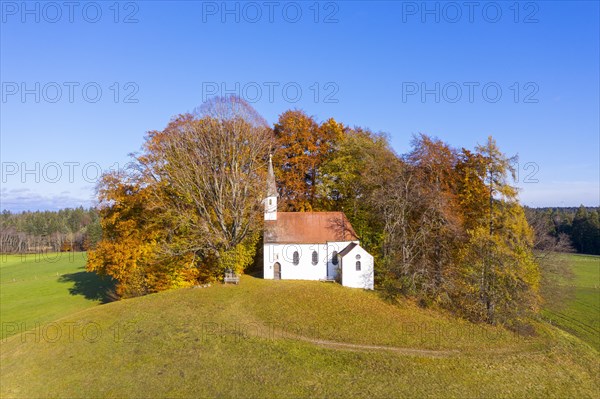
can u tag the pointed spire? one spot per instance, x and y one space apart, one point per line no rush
271 186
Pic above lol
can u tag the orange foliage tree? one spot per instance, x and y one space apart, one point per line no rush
302 147
133 229
189 207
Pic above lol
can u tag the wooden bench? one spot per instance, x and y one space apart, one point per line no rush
231 277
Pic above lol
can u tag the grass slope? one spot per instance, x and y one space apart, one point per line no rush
578 310
39 288
287 339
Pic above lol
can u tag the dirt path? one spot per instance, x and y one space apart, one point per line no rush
359 347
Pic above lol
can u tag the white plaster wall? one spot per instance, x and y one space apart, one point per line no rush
358 279
270 208
268 262
334 246
305 270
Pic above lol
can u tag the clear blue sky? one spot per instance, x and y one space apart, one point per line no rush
372 59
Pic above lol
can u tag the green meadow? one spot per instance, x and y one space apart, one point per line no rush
39 288
279 339
575 304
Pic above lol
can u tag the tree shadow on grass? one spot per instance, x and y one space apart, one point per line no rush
90 285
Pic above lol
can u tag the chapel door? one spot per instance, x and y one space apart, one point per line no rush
277 271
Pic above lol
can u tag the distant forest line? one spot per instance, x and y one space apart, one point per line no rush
580 224
69 229
78 229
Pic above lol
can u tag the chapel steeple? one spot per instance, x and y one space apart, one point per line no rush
271 200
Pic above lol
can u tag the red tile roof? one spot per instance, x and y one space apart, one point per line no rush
309 228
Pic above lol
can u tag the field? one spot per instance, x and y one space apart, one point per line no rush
39 288
284 339
577 310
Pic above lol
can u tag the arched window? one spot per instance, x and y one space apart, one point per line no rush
334 258
357 265
296 258
315 258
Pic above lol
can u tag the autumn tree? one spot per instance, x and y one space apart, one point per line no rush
498 277
212 164
453 231
190 207
359 162
383 196
471 191
434 166
404 233
301 148
132 232
498 170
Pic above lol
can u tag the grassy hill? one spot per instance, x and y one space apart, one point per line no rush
287 339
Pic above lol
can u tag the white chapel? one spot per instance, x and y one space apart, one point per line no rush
312 245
